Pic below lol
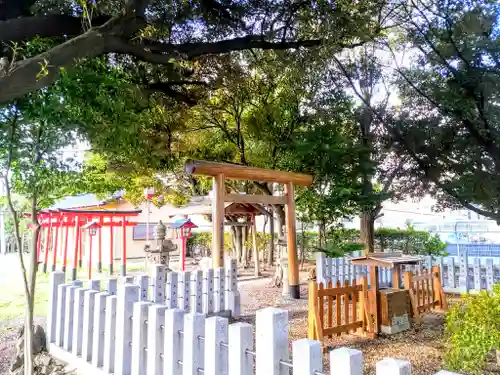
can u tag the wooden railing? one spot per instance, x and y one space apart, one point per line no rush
426 292
337 309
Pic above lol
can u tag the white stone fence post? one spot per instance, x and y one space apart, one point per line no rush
459 274
123 334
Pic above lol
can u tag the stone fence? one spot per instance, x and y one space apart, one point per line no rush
123 334
460 274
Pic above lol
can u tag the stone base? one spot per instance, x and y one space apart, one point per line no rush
223 314
158 258
399 324
80 366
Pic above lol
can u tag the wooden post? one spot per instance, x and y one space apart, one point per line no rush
367 318
255 249
77 246
374 299
80 257
99 246
55 247
396 276
293 265
124 248
310 311
111 246
408 283
90 238
47 245
438 289
65 250
218 221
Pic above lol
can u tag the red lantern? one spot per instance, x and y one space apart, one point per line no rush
149 193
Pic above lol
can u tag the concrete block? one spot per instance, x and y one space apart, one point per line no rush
216 356
307 357
271 344
240 341
345 361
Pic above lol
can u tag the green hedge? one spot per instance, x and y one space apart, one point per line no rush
408 241
473 333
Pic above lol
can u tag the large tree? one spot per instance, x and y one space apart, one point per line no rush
445 68
266 116
449 117
33 165
384 172
167 40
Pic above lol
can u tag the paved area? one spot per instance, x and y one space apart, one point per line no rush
10 269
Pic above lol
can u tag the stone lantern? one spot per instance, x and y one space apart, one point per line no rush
159 253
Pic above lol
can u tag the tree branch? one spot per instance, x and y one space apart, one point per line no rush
26 75
25 28
14 8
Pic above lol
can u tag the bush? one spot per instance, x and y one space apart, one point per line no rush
473 331
409 241
342 240
203 241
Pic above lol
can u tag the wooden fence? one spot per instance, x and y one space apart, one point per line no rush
337 309
132 337
460 274
426 292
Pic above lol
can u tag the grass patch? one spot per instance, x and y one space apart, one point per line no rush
12 299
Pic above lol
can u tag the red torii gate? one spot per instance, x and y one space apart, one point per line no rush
92 220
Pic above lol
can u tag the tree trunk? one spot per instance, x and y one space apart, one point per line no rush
255 248
232 230
29 277
239 247
367 231
28 328
264 232
244 238
270 254
279 273
321 235
280 212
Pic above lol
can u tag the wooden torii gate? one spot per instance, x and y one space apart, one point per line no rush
221 171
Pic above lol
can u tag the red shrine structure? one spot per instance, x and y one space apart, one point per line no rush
182 230
64 230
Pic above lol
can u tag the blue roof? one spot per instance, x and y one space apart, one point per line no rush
84 200
179 223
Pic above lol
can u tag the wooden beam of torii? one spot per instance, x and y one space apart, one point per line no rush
222 171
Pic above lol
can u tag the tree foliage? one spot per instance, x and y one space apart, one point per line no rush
33 164
472 332
449 115
167 43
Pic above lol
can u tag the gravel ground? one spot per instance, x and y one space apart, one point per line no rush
422 345
8 337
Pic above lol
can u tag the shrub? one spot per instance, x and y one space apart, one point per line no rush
342 240
473 331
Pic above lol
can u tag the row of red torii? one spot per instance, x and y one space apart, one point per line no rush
56 223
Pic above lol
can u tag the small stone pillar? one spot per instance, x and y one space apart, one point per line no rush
160 254
283 263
